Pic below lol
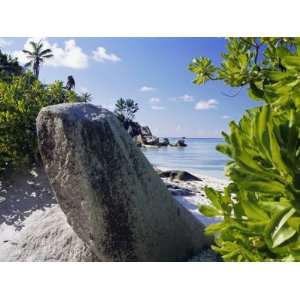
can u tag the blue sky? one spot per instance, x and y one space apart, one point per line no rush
153 72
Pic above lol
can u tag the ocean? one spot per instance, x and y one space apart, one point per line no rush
200 157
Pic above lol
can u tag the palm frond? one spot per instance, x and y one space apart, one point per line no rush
48 56
34 45
28 64
39 46
46 51
27 52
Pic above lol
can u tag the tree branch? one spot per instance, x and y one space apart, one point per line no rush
233 95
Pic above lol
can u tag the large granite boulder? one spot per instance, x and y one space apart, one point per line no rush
112 197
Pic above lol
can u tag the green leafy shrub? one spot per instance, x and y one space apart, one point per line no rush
9 67
260 209
20 102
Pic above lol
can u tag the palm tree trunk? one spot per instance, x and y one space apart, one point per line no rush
36 70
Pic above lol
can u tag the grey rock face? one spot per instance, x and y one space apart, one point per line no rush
112 197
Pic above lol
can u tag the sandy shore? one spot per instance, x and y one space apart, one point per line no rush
29 212
197 195
32 225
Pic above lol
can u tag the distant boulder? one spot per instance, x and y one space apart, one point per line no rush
164 142
181 143
133 128
151 140
145 131
179 175
147 137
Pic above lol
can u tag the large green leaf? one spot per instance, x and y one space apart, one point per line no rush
276 154
283 235
209 211
291 61
273 187
215 227
252 210
278 231
214 197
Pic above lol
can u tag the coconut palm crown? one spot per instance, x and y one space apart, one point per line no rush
37 56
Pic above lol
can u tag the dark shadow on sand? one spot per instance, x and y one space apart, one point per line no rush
22 193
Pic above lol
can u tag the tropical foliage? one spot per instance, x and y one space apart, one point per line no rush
21 98
85 97
9 67
260 209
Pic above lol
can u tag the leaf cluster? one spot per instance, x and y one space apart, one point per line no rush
259 211
20 102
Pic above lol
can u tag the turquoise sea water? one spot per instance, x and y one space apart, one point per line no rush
200 156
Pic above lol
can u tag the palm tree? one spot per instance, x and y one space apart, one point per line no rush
70 83
37 56
85 97
126 109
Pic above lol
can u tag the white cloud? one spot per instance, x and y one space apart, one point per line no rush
70 56
226 117
101 55
154 100
4 42
147 88
156 107
206 104
184 98
20 56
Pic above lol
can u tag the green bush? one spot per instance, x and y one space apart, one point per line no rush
20 102
260 209
9 67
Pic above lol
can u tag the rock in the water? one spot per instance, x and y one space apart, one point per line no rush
111 195
147 138
179 175
151 140
164 142
180 143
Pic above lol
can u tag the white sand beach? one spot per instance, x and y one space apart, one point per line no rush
33 227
